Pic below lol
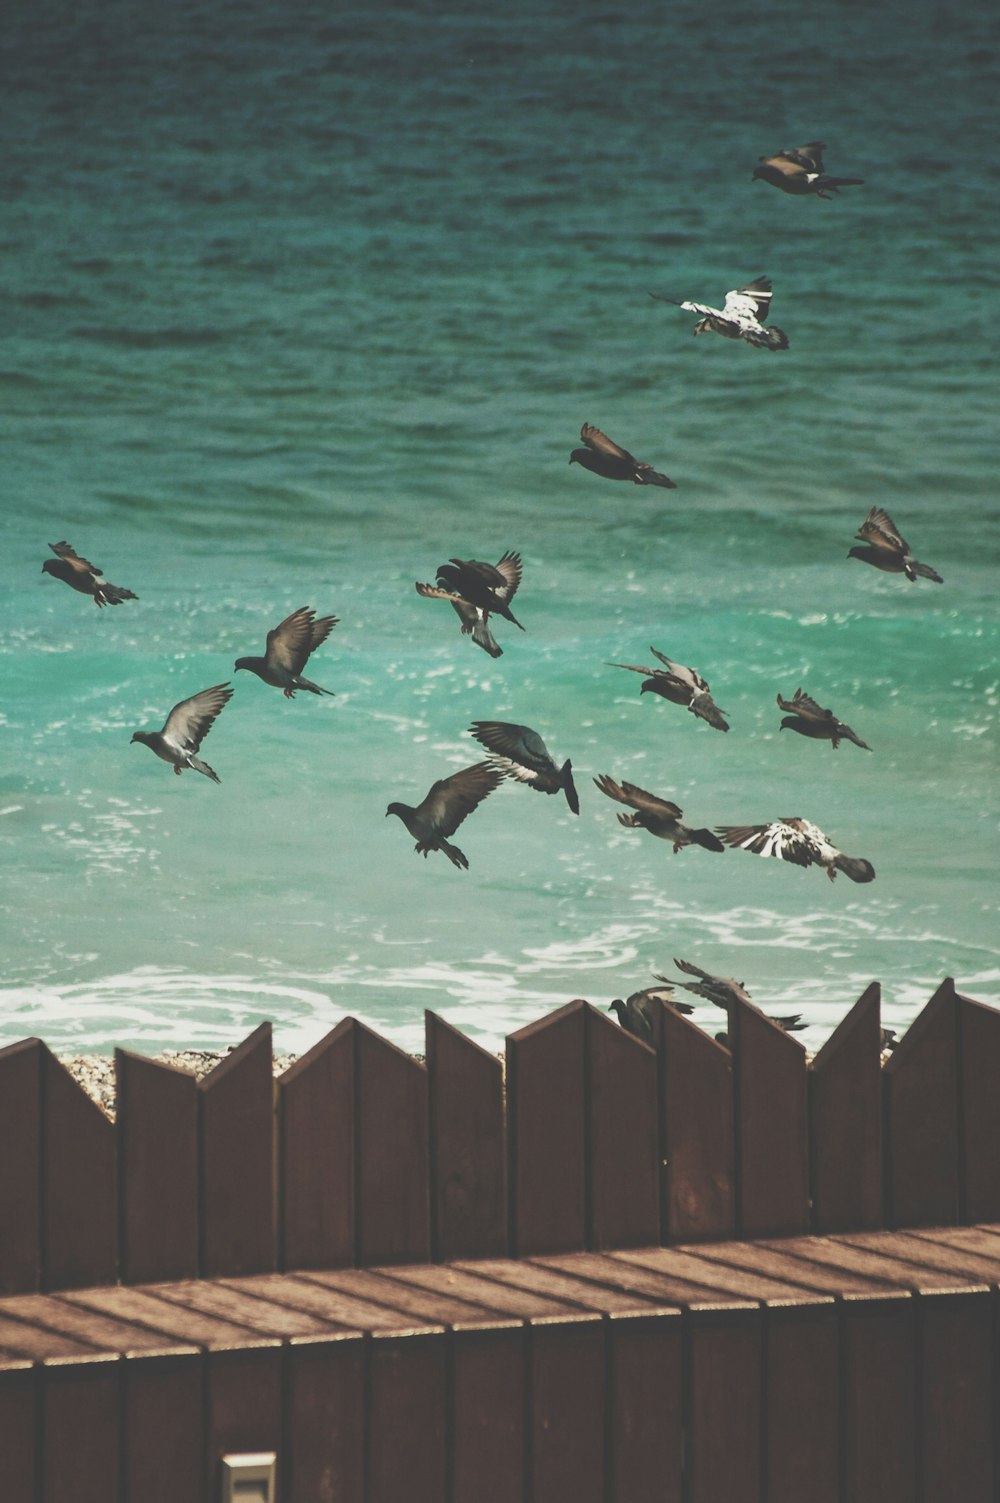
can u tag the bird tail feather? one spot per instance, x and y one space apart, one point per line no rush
707 839
200 766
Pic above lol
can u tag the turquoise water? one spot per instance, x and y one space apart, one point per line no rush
300 305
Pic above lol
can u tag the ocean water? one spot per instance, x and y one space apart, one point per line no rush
301 303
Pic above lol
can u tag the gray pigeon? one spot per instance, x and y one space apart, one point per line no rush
724 991
604 457
185 729
523 755
83 576
807 718
887 550
741 316
288 649
682 686
799 170
657 815
799 841
449 801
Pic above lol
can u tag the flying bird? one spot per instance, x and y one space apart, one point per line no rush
604 457
636 1013
491 587
799 170
83 576
887 550
742 316
522 754
449 801
682 686
799 841
185 729
807 718
288 649
724 991
657 815
475 617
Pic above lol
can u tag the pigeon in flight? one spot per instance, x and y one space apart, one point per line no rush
799 170
449 801
636 1013
288 649
657 815
604 457
83 576
724 991
682 686
799 841
473 615
888 550
491 587
522 754
185 729
742 316
807 718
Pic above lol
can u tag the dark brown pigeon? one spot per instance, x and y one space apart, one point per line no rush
636 1013
799 841
523 755
186 727
288 649
491 587
473 615
682 686
604 457
887 550
475 623
657 815
807 718
449 801
83 576
799 170
741 316
724 991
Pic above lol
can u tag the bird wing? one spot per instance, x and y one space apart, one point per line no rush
781 838
601 444
880 530
753 300
509 567
637 798
806 708
809 156
190 721
290 643
718 989
433 592
782 163
452 799
68 553
689 676
518 743
634 668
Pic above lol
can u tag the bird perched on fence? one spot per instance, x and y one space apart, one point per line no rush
887 550
636 1013
185 728
288 649
523 755
682 686
604 457
807 718
83 576
448 802
657 815
741 316
473 615
799 170
799 841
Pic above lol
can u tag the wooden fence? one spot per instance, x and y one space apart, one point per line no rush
359 1155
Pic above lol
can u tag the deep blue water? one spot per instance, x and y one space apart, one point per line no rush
299 304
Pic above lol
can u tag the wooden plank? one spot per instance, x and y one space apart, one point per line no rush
406 1434
393 1188
552 1283
724 1417
323 1451
623 1153
328 1301
802 1406
80 1205
699 1169
488 1376
243 1409
546 1132
845 1121
878 1396
81 1433
957 1398
772 1167
568 1395
163 1407
643 1272
646 1407
260 1316
921 1084
157 1131
468 1146
729 1268
19 1420
237 1161
21 1166
96 1330
181 1325
979 1110
316 1154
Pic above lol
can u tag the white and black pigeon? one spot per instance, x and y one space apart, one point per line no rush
449 801
742 316
83 576
288 649
604 457
799 841
185 729
888 550
682 686
636 1013
475 618
523 755
657 815
799 170
807 718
